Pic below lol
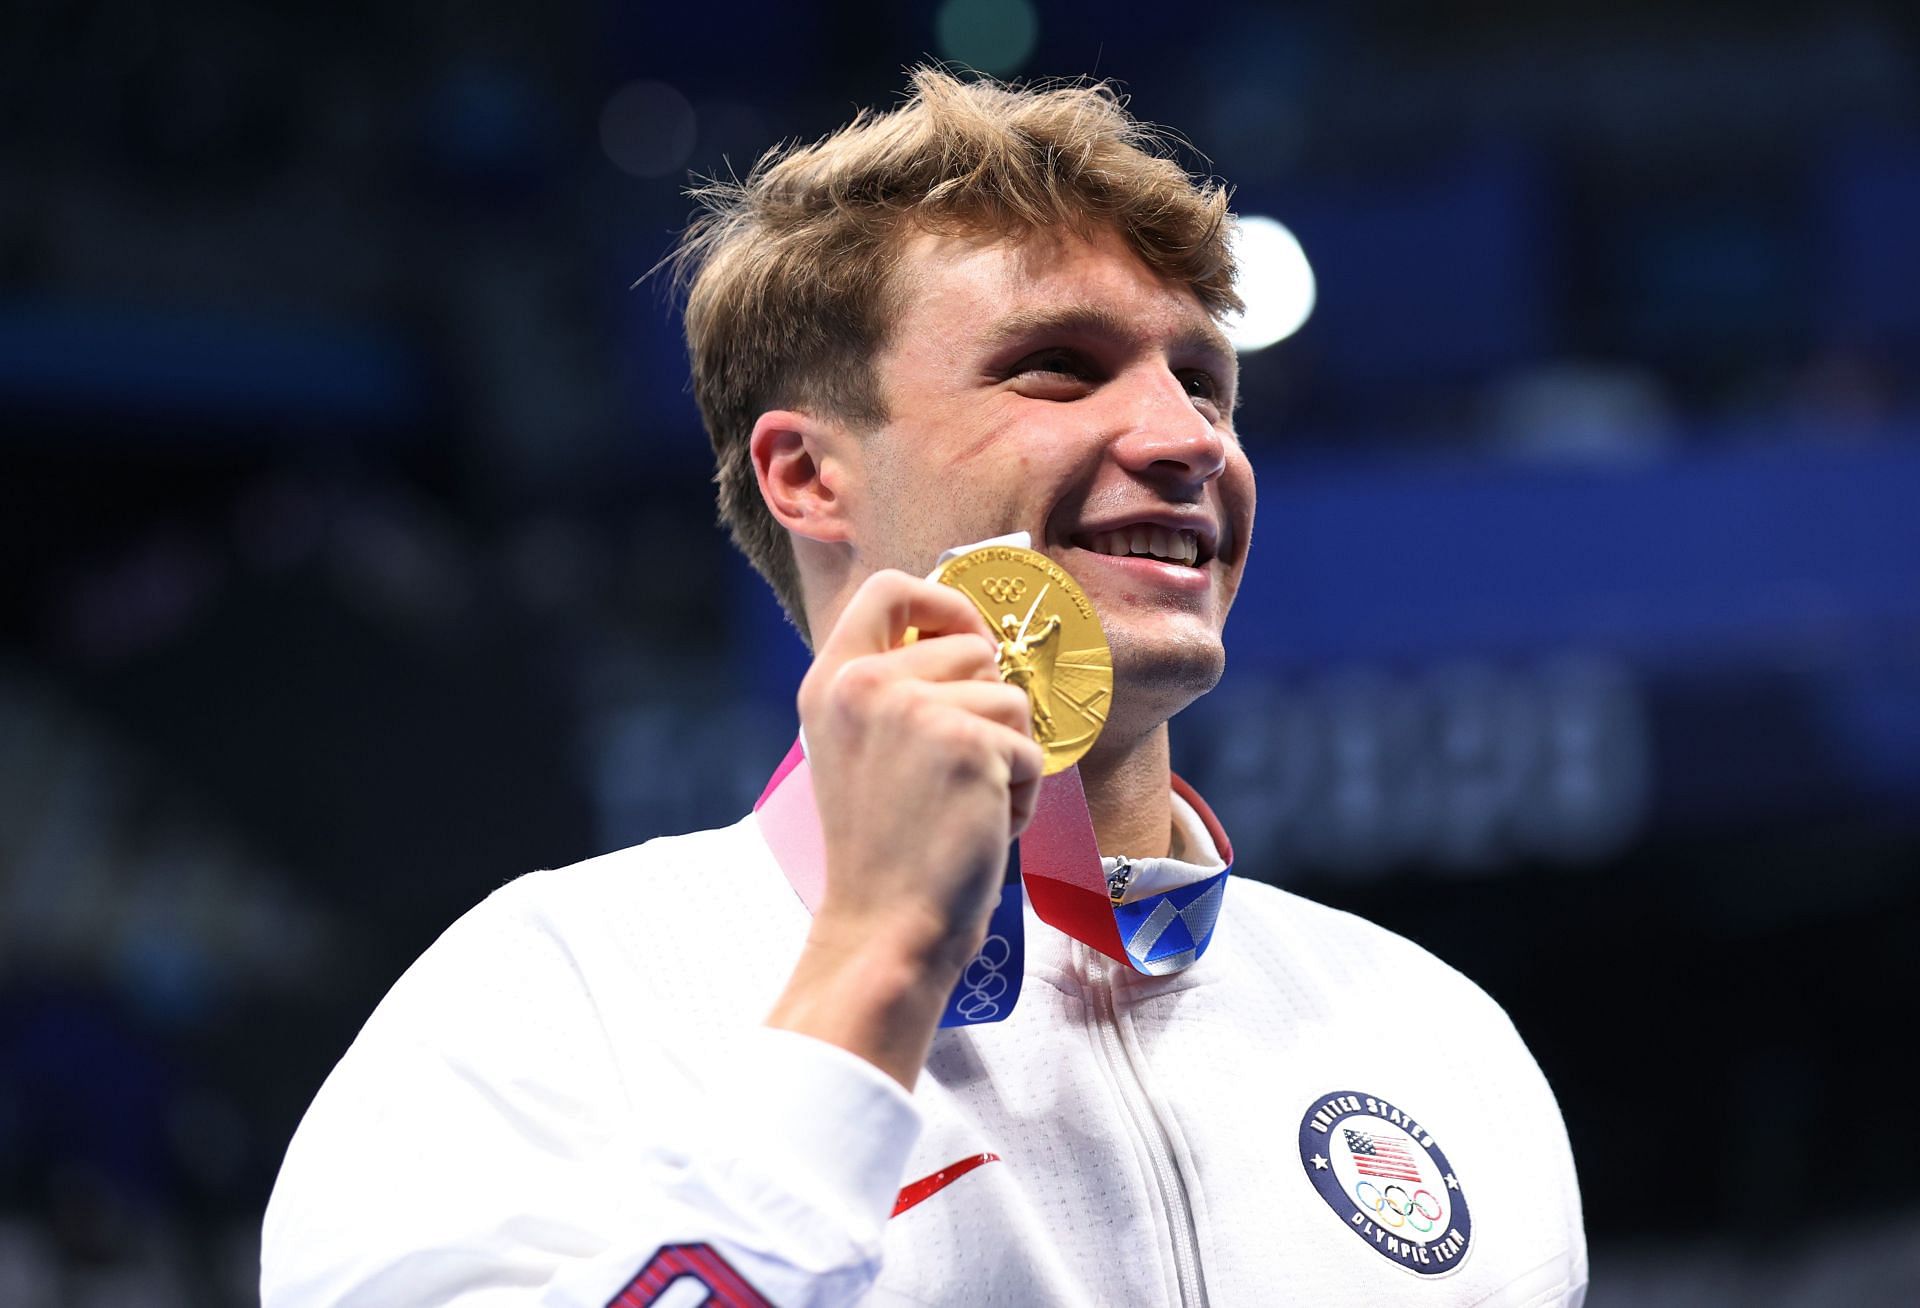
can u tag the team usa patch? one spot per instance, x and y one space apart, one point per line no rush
1385 1176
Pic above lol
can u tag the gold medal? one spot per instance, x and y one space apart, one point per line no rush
1051 644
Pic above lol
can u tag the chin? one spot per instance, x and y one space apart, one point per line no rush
1159 677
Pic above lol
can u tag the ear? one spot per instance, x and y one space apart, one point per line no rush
800 463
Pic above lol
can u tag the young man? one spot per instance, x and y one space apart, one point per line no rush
665 1073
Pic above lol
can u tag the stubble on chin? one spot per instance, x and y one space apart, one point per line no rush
1154 679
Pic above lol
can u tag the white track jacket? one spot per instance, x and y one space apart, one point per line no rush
570 1100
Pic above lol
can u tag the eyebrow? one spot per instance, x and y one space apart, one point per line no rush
1098 320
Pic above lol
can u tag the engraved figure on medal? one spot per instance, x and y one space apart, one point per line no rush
1026 660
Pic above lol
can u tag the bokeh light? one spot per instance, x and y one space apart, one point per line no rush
994 36
1275 280
647 128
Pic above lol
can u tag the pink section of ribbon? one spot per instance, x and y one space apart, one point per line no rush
790 822
795 757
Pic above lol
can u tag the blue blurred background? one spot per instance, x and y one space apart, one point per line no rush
359 554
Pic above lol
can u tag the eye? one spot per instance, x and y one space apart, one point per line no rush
1202 386
1053 363
1055 373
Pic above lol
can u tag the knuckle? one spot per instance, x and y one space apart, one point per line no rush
815 688
890 586
882 580
858 679
917 715
880 590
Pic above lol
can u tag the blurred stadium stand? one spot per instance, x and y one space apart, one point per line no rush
359 554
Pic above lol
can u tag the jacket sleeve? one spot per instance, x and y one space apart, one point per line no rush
481 1144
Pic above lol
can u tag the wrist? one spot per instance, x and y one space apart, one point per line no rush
875 991
914 940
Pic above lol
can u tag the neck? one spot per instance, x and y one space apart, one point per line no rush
1127 796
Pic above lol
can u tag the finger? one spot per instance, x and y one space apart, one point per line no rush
1022 802
963 657
1005 705
889 602
1022 756
1026 761
1016 752
1023 792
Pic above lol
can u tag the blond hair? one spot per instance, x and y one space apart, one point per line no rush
789 272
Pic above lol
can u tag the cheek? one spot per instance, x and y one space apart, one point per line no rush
1240 496
1239 474
977 442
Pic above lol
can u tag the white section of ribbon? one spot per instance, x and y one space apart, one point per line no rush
1018 539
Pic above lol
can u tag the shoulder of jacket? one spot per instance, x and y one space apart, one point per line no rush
1347 949
546 948
540 921
717 859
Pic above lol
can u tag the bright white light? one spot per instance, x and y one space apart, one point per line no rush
1276 282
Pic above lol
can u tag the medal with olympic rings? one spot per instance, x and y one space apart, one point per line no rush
1051 643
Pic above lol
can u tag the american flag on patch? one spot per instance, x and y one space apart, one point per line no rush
1381 1157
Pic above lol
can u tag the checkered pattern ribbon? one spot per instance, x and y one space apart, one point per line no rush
1169 931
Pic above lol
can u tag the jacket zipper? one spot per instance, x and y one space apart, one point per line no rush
1166 1173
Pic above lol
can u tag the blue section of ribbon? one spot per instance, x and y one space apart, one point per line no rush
1169 931
990 986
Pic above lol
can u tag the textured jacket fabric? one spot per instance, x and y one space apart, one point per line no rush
569 1099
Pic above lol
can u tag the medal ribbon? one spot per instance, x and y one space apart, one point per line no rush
1059 864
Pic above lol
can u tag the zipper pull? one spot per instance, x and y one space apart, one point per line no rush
1118 878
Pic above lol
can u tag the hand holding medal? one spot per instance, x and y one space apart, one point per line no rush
919 767
919 770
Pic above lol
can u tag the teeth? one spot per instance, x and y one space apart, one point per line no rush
1151 542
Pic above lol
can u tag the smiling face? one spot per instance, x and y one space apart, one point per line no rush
1060 387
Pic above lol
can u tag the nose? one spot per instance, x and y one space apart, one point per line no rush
1166 436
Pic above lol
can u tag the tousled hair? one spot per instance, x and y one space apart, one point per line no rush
789 273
